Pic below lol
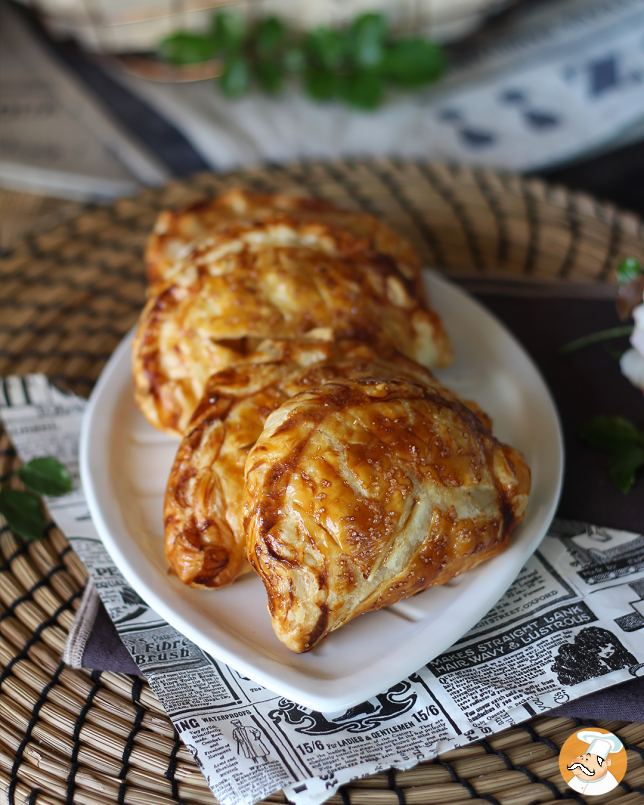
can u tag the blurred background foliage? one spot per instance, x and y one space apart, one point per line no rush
356 63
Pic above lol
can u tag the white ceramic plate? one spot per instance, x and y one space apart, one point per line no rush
125 464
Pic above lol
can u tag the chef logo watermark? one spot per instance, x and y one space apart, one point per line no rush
593 761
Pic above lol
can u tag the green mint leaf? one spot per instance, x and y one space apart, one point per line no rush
294 60
366 40
326 48
595 338
413 62
269 36
320 85
229 32
270 77
46 476
187 48
628 269
610 433
23 513
362 90
235 79
623 466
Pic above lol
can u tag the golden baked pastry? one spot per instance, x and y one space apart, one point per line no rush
362 492
177 231
205 542
272 280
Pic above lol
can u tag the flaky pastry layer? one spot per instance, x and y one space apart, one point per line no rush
273 280
177 231
205 542
362 492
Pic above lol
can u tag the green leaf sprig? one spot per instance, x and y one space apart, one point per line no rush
23 510
617 435
355 64
595 338
627 270
630 275
625 443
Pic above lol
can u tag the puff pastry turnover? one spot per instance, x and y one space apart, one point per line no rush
272 280
362 492
205 541
176 231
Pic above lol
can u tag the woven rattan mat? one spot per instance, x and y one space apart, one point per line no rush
68 296
22 214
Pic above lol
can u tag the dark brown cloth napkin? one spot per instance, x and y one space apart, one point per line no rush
584 384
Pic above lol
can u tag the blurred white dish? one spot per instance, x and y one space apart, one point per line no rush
125 464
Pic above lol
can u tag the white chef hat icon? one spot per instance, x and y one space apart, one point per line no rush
600 743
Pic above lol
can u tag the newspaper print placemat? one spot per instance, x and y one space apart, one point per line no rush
571 623
56 138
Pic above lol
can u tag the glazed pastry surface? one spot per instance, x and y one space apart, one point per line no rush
272 280
177 231
289 343
205 542
362 492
